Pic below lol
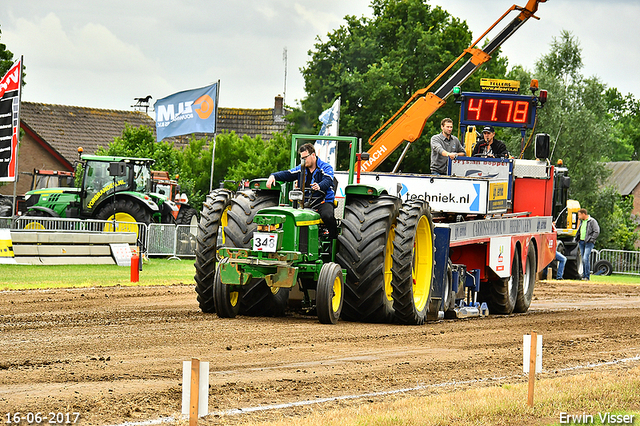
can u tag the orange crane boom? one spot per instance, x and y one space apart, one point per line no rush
409 121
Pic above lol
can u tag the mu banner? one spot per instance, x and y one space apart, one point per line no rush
9 121
191 111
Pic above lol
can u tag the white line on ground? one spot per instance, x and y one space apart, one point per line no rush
246 410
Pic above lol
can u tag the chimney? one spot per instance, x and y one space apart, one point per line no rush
278 110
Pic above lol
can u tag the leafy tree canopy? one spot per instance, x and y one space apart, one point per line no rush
375 65
7 59
584 119
236 158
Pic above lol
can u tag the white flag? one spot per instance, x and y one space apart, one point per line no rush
330 118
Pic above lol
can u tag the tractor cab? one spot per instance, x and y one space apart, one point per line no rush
105 176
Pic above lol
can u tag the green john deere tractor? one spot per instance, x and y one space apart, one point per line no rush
257 245
113 188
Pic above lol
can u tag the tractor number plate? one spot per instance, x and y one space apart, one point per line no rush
263 241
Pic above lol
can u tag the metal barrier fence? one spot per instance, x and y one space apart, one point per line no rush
154 239
172 240
623 261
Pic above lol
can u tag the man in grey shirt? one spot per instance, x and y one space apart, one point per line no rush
444 145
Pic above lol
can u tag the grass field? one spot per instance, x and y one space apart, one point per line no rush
154 272
595 393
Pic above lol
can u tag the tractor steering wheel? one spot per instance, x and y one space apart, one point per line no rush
313 199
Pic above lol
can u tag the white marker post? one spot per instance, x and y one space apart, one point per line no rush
195 389
531 360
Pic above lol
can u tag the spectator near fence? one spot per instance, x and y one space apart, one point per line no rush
587 234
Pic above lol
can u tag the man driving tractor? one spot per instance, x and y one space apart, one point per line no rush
319 178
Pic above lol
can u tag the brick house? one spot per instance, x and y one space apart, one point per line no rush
625 177
53 133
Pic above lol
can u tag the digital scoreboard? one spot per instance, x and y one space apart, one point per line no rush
497 109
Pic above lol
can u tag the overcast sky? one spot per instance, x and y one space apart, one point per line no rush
104 54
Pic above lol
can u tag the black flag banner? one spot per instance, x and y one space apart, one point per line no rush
9 121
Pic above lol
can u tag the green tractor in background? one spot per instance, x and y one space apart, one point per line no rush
257 245
113 188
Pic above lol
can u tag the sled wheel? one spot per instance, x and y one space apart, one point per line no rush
501 294
528 282
603 267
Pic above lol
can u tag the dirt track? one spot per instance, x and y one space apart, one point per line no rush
115 355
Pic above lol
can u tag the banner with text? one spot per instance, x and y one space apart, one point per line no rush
330 119
190 111
10 121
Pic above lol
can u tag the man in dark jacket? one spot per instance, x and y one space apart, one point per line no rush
587 234
319 177
490 147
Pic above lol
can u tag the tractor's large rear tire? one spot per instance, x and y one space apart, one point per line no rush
257 298
212 222
413 252
187 216
5 206
127 212
528 282
501 294
187 236
365 251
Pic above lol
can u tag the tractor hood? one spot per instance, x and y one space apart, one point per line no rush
299 217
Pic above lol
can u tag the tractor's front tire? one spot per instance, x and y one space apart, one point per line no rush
413 252
225 298
501 294
365 251
257 298
329 293
212 222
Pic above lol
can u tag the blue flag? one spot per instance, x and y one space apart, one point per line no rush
190 111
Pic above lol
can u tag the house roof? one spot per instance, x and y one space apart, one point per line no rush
251 122
625 175
64 128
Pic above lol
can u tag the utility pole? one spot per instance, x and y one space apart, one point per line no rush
284 92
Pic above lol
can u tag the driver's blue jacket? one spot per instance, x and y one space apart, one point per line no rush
322 175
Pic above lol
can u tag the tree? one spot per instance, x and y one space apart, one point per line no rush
236 158
578 117
376 64
7 59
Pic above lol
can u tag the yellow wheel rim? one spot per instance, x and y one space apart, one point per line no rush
422 268
34 225
224 221
234 296
337 294
388 262
129 226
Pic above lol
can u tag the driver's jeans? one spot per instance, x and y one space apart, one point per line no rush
325 210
